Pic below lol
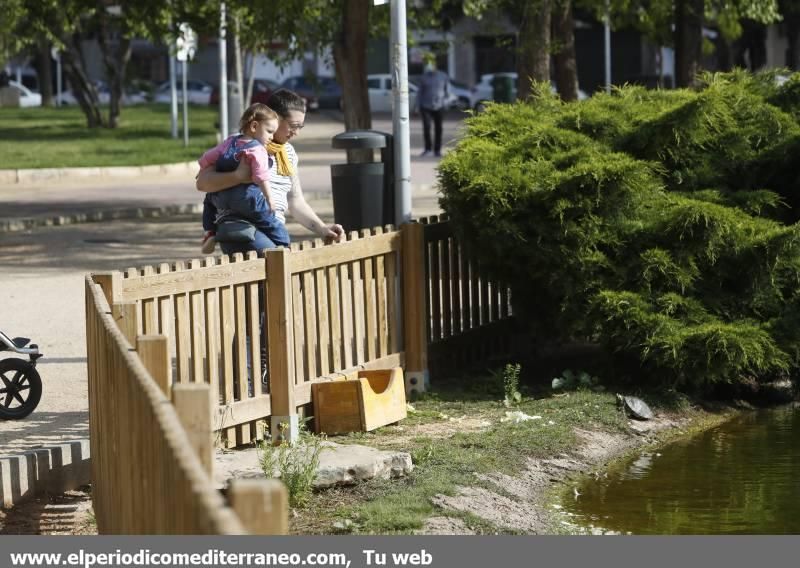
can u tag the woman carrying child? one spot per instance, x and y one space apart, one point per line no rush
284 183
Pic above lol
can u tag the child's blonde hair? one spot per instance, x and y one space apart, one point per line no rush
258 112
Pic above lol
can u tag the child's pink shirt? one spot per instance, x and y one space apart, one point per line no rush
257 157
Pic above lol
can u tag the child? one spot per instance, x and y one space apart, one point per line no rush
248 201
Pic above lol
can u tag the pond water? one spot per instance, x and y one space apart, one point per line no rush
742 477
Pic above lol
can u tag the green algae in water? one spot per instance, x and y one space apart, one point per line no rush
742 477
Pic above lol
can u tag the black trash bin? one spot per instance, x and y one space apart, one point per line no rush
363 194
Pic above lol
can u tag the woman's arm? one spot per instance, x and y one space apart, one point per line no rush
211 181
304 214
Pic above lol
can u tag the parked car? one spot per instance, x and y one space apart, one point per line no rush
461 96
131 96
484 90
262 89
323 89
27 98
380 93
197 92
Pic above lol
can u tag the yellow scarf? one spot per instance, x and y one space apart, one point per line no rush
281 157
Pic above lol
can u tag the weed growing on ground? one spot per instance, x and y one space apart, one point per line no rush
511 384
295 464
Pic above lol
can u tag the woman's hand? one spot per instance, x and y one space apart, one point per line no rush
243 173
334 233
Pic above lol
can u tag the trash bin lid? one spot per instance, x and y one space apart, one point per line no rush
358 139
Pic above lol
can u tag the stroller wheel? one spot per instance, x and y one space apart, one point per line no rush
20 389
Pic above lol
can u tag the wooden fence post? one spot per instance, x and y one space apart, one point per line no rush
284 423
414 309
153 351
125 316
192 402
261 505
109 282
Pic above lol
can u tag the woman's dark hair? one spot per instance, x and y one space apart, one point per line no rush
283 101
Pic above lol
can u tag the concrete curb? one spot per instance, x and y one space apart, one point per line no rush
8 177
52 469
11 225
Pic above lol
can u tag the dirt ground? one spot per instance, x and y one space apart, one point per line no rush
67 514
528 512
522 503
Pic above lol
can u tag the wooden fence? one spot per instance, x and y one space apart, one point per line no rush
469 315
381 298
151 453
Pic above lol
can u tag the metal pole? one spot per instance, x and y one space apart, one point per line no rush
400 117
173 96
58 79
607 46
223 74
185 106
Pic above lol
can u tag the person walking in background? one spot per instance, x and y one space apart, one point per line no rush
432 97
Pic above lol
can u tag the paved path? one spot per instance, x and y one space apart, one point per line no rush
42 270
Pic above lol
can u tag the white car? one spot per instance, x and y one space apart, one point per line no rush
27 98
484 91
197 92
129 97
460 96
380 93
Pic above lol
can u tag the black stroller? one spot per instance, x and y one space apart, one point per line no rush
20 384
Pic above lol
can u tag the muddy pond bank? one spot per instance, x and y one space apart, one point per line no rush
484 468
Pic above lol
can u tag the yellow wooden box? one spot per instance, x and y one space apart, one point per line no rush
359 402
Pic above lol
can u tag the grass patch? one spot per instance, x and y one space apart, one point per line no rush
58 137
454 434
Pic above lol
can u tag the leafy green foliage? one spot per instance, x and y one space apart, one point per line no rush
662 224
295 464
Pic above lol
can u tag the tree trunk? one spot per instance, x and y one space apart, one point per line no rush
533 46
237 54
44 72
726 53
793 35
688 40
251 80
564 61
115 59
116 65
350 58
82 88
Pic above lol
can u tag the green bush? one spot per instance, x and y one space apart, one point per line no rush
658 223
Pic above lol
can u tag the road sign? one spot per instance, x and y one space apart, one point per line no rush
186 43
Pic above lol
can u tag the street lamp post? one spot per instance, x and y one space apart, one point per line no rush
223 73
400 111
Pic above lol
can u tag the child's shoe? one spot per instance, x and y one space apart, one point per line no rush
209 243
